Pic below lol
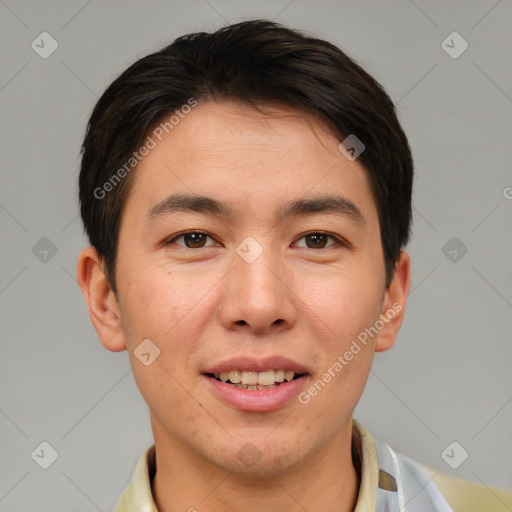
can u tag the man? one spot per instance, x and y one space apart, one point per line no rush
247 196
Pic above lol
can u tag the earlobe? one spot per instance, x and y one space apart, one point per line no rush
99 297
393 309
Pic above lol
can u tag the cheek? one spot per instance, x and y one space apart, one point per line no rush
166 310
163 313
342 307
338 384
342 304
153 301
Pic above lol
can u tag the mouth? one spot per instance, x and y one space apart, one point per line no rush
257 384
256 388
256 380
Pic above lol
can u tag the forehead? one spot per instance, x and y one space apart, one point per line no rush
250 159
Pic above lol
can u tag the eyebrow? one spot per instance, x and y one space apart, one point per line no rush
335 204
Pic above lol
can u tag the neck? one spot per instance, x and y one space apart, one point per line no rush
329 481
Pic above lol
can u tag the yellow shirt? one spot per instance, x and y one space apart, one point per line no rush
462 495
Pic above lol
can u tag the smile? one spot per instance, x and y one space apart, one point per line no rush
253 380
256 397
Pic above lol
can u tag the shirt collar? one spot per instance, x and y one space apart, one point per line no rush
138 496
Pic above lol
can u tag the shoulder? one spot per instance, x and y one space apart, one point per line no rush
468 496
138 495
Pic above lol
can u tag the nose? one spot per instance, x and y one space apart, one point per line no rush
258 297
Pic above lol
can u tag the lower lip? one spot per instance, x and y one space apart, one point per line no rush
260 400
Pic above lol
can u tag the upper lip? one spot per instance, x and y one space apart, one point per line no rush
253 364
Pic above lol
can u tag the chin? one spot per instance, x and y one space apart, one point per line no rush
258 459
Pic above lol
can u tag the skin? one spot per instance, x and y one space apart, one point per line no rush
203 305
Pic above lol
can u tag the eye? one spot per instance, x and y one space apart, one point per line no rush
197 240
319 239
192 239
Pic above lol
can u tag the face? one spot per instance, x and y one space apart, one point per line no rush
280 269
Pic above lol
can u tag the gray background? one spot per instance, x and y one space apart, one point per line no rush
448 378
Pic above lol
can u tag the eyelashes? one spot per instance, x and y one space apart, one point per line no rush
195 239
190 235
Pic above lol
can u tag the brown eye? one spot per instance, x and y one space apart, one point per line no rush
192 240
319 241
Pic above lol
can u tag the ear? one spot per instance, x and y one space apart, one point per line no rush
395 299
100 300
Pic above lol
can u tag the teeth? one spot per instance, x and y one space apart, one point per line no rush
259 386
256 380
266 378
249 378
235 377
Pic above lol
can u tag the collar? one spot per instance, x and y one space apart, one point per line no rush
137 496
